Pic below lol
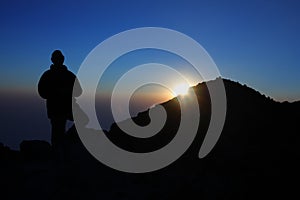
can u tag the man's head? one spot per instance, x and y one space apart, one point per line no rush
57 57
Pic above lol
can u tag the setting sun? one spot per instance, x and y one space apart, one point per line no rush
181 89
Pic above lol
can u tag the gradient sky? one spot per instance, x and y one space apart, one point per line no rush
253 42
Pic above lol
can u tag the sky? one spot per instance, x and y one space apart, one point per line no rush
253 42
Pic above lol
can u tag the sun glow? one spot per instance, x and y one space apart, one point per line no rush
181 89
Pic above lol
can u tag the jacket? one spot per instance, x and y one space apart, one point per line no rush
56 86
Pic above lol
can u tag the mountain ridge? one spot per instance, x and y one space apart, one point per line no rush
256 155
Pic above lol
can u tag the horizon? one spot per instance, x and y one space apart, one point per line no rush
39 114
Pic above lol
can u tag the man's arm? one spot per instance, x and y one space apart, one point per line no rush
77 90
43 86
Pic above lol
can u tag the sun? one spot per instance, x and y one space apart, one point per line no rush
181 89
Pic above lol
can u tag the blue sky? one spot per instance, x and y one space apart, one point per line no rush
253 42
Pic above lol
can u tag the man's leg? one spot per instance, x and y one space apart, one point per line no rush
58 131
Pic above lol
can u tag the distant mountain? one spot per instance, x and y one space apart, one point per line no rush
249 115
256 157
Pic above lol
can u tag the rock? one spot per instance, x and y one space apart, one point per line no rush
35 150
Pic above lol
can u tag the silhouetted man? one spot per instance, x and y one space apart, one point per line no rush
56 86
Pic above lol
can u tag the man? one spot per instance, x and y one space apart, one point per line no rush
56 86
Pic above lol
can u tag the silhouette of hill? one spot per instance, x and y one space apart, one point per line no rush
256 157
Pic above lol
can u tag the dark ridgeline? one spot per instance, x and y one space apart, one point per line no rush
256 157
